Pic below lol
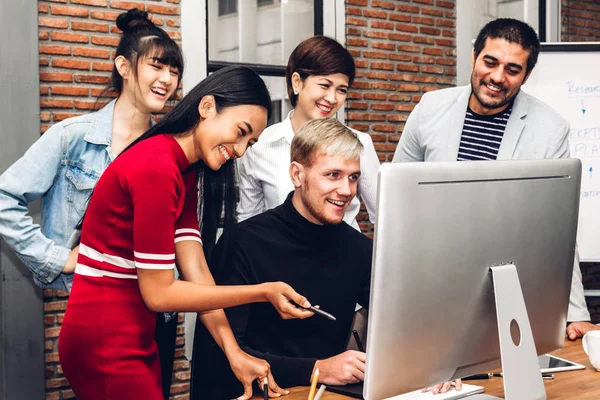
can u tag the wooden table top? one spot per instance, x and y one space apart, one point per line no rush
581 384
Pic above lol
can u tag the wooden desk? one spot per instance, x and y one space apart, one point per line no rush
582 384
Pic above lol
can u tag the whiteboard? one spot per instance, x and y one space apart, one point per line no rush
567 77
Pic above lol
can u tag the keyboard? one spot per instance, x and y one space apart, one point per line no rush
451 394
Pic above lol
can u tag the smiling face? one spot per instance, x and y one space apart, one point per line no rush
319 96
226 135
323 191
152 85
498 74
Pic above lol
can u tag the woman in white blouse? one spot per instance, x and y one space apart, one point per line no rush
318 75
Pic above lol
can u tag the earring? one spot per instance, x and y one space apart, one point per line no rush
295 92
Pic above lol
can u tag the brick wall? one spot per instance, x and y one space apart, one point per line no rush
77 39
402 49
580 21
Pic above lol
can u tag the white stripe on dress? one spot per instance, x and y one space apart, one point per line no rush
82 269
101 257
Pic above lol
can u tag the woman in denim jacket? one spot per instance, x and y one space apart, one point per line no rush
63 166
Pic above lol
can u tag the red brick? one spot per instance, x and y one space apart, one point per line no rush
353 11
384 146
356 21
56 305
51 332
432 70
56 77
382 25
174 35
405 107
361 85
400 17
173 1
383 45
102 92
52 22
105 41
56 383
43 35
88 105
382 107
400 37
156 9
407 87
156 20
445 61
383 86
432 51
67 394
353 105
127 5
424 40
445 22
70 63
48 319
430 2
360 127
377 75
105 15
53 49
375 54
91 52
71 11
431 11
408 9
408 48
70 37
98 79
407 67
353 31
375 14
423 60
44 62
357 2
382 66
43 8
70 90
53 396
399 97
407 28
375 96
89 26
423 20
377 34
444 42
384 127
357 42
444 4
97 3
387 5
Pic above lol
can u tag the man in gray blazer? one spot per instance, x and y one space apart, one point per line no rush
492 119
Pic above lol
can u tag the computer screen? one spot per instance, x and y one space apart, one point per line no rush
440 227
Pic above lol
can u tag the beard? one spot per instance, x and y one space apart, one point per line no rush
317 213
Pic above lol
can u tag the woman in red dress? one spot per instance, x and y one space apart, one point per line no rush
141 221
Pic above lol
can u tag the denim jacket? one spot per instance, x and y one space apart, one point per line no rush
62 167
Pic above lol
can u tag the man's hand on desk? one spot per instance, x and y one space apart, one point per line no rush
578 329
248 368
347 367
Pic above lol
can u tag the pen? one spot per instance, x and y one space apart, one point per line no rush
316 310
477 376
358 341
266 388
313 385
544 375
320 392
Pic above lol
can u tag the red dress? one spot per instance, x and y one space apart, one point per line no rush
143 204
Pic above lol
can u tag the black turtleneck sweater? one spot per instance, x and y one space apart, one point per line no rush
329 264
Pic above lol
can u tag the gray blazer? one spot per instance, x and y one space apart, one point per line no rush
433 130
533 131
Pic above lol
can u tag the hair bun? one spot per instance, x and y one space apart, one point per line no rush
132 20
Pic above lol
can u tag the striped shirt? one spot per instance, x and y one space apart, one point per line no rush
482 135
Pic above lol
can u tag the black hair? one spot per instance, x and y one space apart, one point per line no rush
141 38
230 86
513 31
318 55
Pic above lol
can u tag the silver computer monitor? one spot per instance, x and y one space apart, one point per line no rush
440 226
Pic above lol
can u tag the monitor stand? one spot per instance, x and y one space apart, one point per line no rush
520 367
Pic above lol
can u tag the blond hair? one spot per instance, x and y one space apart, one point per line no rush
326 136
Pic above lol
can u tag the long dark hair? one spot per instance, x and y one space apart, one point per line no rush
231 86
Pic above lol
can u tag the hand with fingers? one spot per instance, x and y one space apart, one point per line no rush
345 368
578 329
444 387
247 369
279 294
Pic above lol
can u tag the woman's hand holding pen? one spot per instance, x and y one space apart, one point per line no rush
279 294
247 369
